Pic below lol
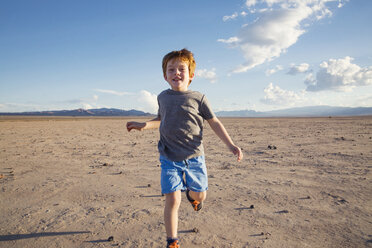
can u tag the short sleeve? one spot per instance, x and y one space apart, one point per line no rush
206 109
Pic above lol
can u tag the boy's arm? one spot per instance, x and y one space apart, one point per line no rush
154 123
221 132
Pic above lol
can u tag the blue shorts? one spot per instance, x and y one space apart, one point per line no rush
188 174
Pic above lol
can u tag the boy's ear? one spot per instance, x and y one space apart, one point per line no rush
192 76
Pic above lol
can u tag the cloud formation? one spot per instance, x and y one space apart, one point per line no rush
278 26
149 101
231 17
207 74
301 68
339 75
231 40
274 95
234 16
273 70
145 101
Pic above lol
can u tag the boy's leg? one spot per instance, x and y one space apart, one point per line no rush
198 196
196 181
196 199
172 204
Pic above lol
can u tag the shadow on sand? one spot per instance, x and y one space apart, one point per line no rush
187 231
11 237
150 195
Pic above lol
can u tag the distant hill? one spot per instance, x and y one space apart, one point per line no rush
312 111
240 113
84 112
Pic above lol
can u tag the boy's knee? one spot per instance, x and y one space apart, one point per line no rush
173 199
198 196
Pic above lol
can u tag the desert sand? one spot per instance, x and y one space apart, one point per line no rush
75 182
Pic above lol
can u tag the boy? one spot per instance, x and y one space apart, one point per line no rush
180 122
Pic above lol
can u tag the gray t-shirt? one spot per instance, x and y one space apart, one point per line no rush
182 115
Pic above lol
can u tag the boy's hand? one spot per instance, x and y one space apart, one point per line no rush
135 125
237 151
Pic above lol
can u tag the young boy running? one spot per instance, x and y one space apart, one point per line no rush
180 121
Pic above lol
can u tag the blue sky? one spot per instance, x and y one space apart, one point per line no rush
254 54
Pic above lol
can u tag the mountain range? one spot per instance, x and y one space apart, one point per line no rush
313 111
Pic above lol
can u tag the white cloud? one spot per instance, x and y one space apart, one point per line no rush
148 101
231 40
339 75
274 70
113 92
87 106
301 68
250 3
276 29
341 4
145 100
87 103
207 74
233 16
274 95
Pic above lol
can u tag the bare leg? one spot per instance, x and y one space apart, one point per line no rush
198 196
172 204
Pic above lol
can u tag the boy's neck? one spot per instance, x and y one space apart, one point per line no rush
180 90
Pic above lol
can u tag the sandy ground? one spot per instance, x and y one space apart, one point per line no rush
74 182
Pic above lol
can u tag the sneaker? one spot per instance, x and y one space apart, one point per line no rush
195 204
173 243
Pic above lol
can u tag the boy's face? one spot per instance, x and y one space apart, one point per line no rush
177 75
